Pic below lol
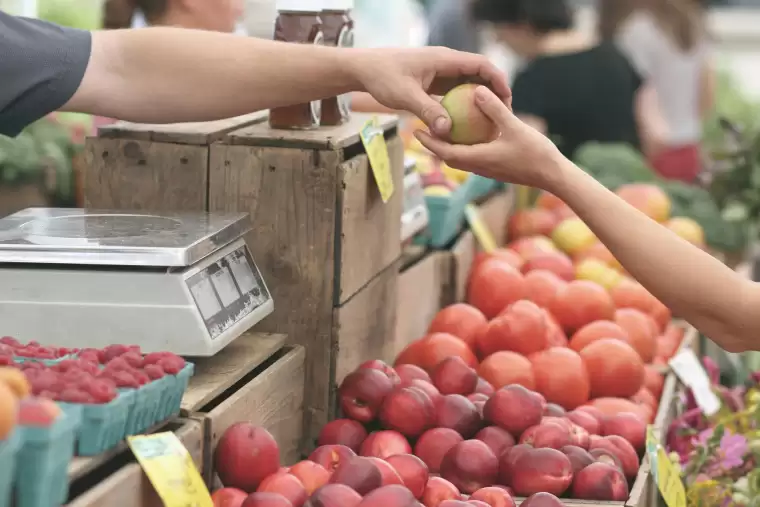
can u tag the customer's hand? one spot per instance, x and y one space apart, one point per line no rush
408 79
520 154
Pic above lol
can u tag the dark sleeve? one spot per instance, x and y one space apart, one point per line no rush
527 94
41 65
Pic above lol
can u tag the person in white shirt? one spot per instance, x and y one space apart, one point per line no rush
668 45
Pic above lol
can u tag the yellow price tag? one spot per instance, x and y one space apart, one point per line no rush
377 153
479 229
666 474
170 469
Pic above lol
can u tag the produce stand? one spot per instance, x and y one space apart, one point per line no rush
319 233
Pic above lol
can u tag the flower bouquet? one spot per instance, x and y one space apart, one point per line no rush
719 456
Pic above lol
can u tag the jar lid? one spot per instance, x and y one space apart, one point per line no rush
337 5
299 5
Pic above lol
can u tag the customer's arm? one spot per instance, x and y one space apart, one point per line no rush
695 285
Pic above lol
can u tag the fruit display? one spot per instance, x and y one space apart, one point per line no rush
77 401
447 190
717 456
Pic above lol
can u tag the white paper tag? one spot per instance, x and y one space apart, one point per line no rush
692 373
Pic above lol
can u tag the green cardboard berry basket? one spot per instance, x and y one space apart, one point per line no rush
8 455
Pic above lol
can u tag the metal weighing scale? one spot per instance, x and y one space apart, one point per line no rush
415 215
184 283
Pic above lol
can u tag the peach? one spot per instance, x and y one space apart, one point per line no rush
409 372
542 499
286 485
454 376
507 461
470 465
579 436
476 503
494 497
498 439
382 444
245 456
554 410
228 497
389 496
390 476
413 472
484 387
434 444
458 413
606 456
334 495
377 364
266 500
455 503
432 392
362 393
312 475
579 457
629 426
547 434
343 432
624 451
531 222
585 420
555 262
514 408
478 397
600 481
358 473
438 490
541 470
468 123
407 410
331 456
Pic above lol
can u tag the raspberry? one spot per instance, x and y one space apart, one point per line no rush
66 365
118 364
122 379
90 367
101 391
113 351
10 341
154 357
74 395
141 377
154 371
170 365
6 360
134 359
33 365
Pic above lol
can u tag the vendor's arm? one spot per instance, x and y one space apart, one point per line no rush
166 75
696 286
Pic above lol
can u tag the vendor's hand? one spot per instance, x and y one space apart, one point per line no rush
520 154
405 79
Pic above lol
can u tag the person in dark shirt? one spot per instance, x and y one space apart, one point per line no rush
571 88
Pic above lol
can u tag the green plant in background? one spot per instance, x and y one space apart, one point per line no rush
82 14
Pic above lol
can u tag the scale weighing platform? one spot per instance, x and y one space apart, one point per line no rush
415 215
184 283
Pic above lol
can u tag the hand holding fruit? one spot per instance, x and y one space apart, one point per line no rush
520 154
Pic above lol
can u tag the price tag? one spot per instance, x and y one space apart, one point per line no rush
377 152
692 373
479 228
170 469
665 473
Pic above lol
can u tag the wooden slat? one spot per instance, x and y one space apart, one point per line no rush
496 212
420 296
461 256
324 138
214 375
130 487
366 223
202 133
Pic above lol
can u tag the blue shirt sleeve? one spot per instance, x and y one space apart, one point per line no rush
41 67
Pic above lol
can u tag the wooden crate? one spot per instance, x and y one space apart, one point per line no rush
496 212
131 166
421 293
257 379
321 239
96 483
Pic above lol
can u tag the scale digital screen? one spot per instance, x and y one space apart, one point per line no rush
227 291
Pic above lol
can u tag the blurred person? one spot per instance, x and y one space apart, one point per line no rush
667 43
213 15
171 75
570 87
719 302
451 25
